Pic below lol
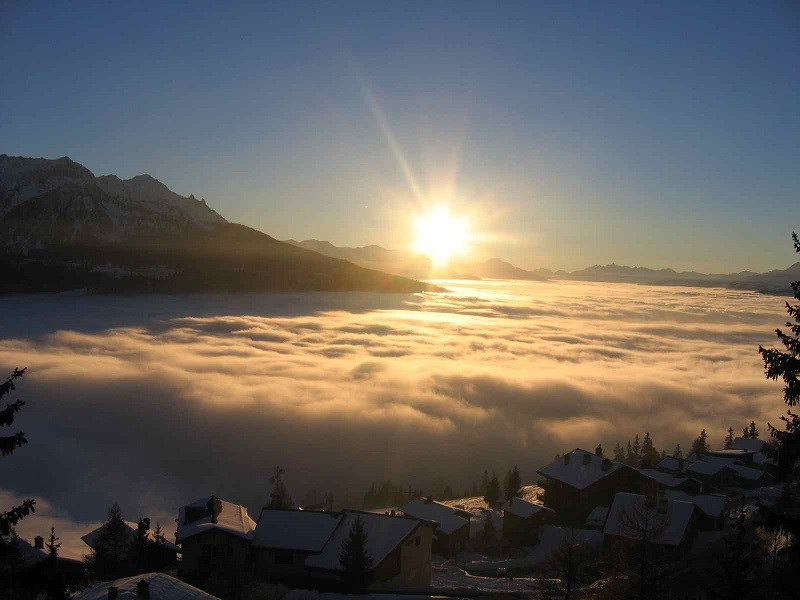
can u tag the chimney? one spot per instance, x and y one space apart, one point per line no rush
393 513
599 450
587 458
566 459
143 589
38 542
113 592
606 464
214 508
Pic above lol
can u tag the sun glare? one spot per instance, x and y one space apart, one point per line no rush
441 235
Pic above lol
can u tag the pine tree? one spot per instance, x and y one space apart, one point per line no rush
599 450
700 443
732 578
52 544
619 453
355 559
786 366
677 453
745 432
8 444
492 495
728 441
279 496
484 482
108 558
489 534
753 431
650 455
513 483
629 454
636 453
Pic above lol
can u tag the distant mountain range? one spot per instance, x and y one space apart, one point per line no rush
413 265
62 228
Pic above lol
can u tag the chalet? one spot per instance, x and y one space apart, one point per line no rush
36 570
581 480
739 474
452 524
670 464
711 508
714 475
667 526
162 556
215 538
149 586
521 522
741 443
296 546
659 481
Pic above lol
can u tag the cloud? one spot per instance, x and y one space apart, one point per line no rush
178 397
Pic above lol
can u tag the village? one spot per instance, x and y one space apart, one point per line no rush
585 509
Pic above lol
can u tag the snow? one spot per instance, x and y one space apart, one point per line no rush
704 467
294 529
162 587
30 555
669 463
748 472
597 518
740 443
91 538
663 478
524 509
442 514
669 527
551 537
233 519
384 533
576 474
711 504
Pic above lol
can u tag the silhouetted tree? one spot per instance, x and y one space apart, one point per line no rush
55 584
566 568
52 544
484 482
355 559
700 443
8 444
108 559
279 496
729 437
785 364
513 483
732 575
650 456
677 453
492 495
752 431
619 453
599 450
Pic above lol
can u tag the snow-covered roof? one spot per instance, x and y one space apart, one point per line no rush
629 512
29 554
524 509
748 473
740 443
91 538
384 534
162 587
666 479
710 504
294 529
670 463
430 510
230 518
597 517
705 467
759 458
577 474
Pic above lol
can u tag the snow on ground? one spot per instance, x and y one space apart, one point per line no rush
550 538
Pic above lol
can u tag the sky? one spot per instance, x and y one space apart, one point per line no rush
570 134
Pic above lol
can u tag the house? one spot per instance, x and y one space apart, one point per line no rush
300 546
711 507
670 464
581 480
659 481
713 474
160 556
597 518
750 445
739 474
667 526
215 538
36 570
452 524
151 586
521 521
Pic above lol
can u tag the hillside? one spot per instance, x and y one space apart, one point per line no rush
63 228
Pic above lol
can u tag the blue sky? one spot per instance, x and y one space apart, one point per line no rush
572 133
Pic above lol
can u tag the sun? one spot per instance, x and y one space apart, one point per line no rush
440 235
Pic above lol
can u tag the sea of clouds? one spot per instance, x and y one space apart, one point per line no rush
156 401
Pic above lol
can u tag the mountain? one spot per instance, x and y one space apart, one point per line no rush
414 265
410 264
63 228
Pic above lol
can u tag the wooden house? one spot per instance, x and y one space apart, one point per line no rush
581 480
521 522
298 547
711 508
451 534
668 527
215 538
